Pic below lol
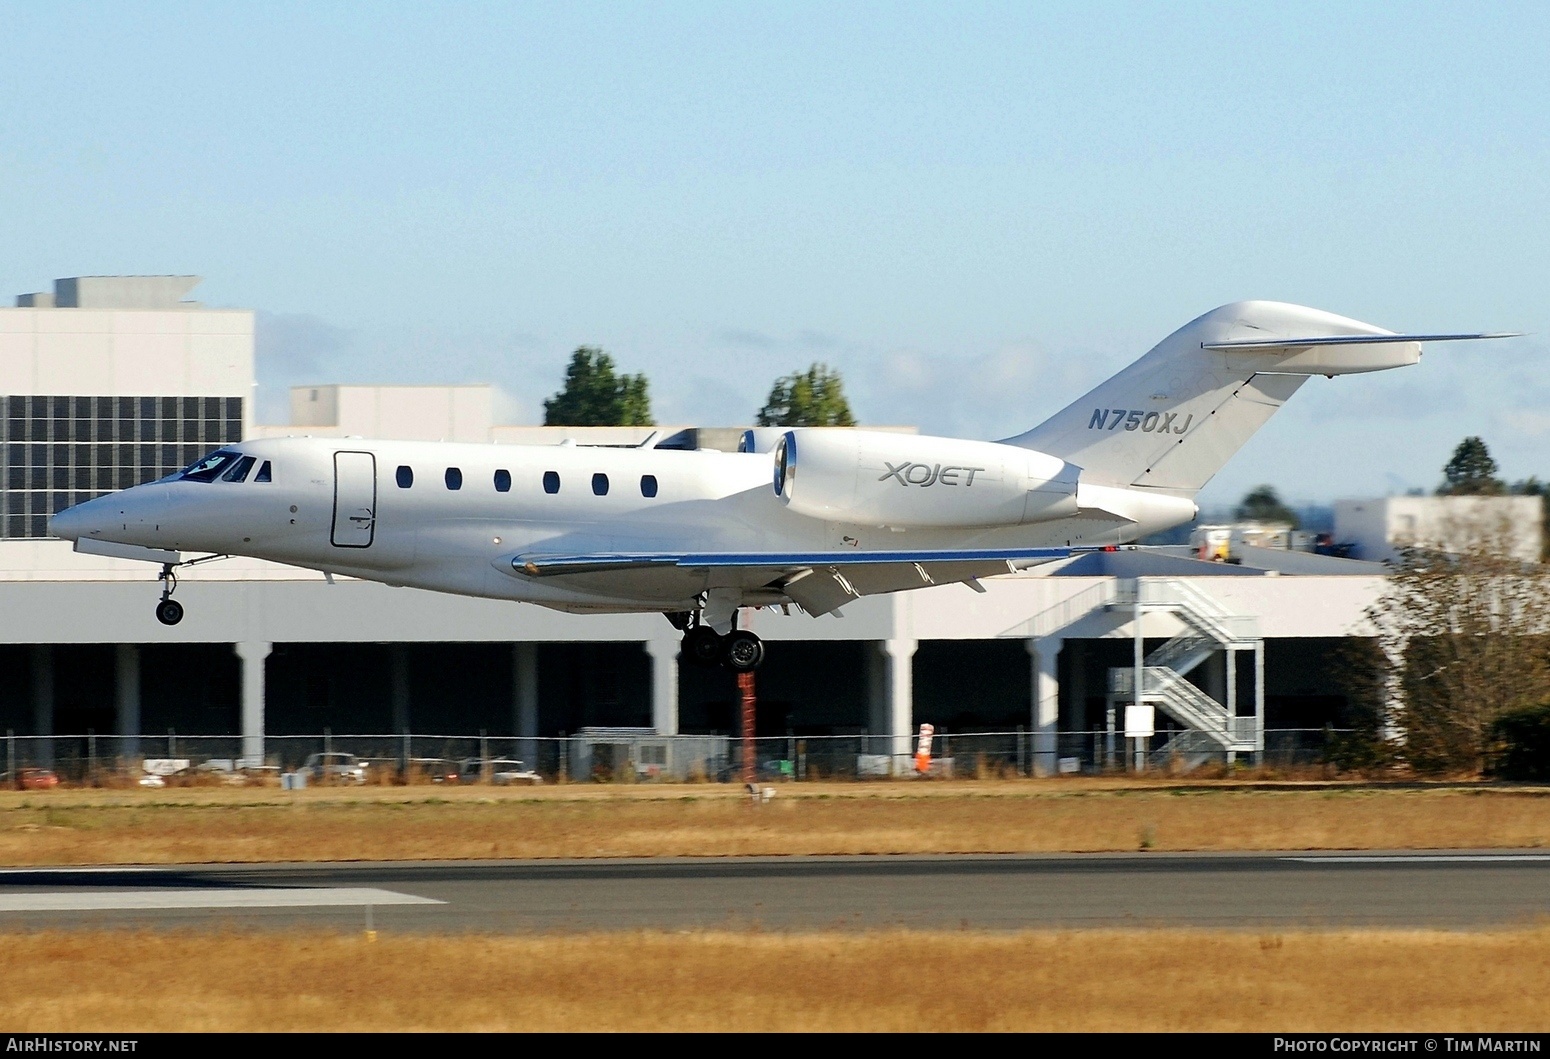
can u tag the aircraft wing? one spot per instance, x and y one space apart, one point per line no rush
820 582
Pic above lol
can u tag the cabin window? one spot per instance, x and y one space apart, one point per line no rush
503 481
239 470
648 485
263 473
405 476
454 478
551 481
600 484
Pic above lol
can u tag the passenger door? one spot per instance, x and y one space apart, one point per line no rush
355 499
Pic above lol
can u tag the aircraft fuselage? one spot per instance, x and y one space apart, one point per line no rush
453 517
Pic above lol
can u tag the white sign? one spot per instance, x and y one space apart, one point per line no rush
166 766
1140 722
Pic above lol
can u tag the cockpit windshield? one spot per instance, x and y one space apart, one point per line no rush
238 472
208 468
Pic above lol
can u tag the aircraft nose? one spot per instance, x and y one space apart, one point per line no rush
117 516
73 523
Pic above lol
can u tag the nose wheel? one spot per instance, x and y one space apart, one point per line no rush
168 611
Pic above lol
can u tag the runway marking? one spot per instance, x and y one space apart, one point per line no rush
254 897
1440 858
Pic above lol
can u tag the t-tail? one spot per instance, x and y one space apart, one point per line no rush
1173 418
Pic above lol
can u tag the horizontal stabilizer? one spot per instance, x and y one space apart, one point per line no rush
1258 344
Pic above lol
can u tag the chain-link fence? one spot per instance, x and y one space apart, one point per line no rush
615 755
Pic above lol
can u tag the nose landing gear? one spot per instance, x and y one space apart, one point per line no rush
168 611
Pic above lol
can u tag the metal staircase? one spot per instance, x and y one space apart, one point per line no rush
1210 727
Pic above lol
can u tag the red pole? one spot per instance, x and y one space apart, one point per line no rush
745 685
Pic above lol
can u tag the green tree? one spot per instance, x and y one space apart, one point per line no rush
594 396
1471 471
1468 634
1263 505
811 398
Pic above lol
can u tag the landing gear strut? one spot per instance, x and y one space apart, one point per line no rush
169 611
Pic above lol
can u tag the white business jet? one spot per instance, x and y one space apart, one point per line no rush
818 518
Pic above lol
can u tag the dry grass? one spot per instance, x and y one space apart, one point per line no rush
1411 981
213 825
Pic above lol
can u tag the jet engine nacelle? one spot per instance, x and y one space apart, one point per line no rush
905 480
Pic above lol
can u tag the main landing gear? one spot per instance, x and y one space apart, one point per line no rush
740 650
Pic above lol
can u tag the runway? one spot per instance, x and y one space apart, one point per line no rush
1455 889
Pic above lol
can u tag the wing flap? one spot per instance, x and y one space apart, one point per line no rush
820 591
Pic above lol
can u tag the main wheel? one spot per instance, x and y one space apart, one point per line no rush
744 651
169 612
702 646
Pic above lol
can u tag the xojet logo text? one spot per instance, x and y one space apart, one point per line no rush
1135 419
929 474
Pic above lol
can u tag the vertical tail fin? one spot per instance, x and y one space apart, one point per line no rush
1172 419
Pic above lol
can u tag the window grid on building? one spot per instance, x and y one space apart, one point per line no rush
62 450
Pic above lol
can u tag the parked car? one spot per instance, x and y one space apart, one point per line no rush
36 779
434 769
503 770
334 768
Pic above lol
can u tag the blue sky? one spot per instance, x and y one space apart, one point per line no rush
972 210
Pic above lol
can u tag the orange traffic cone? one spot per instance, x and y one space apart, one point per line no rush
923 750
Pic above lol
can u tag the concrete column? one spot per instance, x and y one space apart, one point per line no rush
1259 702
253 653
1138 663
524 700
1231 701
877 694
126 695
900 696
1044 655
398 687
1076 652
664 684
43 702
